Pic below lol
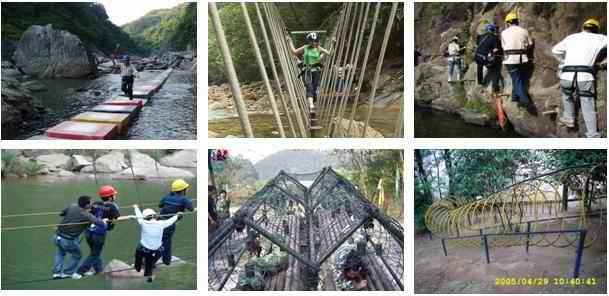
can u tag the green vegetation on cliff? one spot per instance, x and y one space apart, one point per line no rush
174 29
87 20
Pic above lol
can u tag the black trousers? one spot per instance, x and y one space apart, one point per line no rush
147 258
127 86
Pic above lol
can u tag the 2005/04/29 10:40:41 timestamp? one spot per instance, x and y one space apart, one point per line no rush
545 281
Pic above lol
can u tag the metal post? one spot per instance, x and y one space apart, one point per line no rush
488 259
230 71
580 250
528 236
444 247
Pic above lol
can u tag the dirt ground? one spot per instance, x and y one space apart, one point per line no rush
464 270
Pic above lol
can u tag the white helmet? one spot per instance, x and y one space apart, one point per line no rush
148 212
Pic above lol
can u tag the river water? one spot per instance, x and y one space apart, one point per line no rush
430 123
170 115
27 254
264 125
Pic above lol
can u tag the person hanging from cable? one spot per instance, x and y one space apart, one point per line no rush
175 202
96 235
150 247
128 74
312 54
454 59
76 219
579 54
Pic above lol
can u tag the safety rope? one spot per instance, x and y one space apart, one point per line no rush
79 223
137 189
57 213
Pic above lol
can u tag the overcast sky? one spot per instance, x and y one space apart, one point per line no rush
254 155
123 11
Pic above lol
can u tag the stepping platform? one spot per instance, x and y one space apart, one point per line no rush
117 108
74 130
125 101
122 120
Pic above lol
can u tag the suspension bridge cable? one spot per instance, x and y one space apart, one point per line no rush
261 68
229 67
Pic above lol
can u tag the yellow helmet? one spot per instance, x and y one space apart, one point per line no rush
591 22
511 16
179 185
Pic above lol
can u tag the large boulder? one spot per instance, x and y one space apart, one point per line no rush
55 161
341 129
109 163
140 160
46 52
162 172
181 159
80 161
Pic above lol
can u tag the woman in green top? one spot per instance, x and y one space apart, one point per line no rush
311 57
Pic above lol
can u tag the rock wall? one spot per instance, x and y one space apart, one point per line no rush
47 53
548 24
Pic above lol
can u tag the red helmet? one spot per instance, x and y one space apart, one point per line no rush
106 191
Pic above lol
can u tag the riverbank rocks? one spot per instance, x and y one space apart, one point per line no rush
55 162
110 163
46 53
181 159
19 106
80 161
139 160
431 88
65 174
162 172
341 130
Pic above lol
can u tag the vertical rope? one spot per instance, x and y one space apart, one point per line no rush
379 66
95 167
230 71
399 122
274 70
281 49
265 78
364 66
137 189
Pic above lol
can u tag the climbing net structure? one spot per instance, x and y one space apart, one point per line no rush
310 224
540 205
352 29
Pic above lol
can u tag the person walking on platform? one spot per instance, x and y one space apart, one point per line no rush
150 248
517 50
76 219
170 205
96 235
128 74
578 54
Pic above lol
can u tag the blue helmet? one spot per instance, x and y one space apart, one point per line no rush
312 37
125 58
491 28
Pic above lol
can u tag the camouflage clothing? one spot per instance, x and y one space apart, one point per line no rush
223 208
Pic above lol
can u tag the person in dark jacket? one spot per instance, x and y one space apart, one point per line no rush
96 235
76 219
212 214
170 205
488 56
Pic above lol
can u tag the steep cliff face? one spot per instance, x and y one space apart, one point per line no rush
548 24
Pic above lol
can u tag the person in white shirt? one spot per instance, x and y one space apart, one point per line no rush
454 60
149 250
578 53
128 74
517 44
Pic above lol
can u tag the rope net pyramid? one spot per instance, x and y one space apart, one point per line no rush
311 224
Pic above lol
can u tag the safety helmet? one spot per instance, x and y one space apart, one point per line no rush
490 28
148 212
179 185
456 38
106 191
511 16
125 58
591 22
312 37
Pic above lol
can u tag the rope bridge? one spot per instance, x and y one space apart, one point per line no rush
350 32
310 224
536 205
